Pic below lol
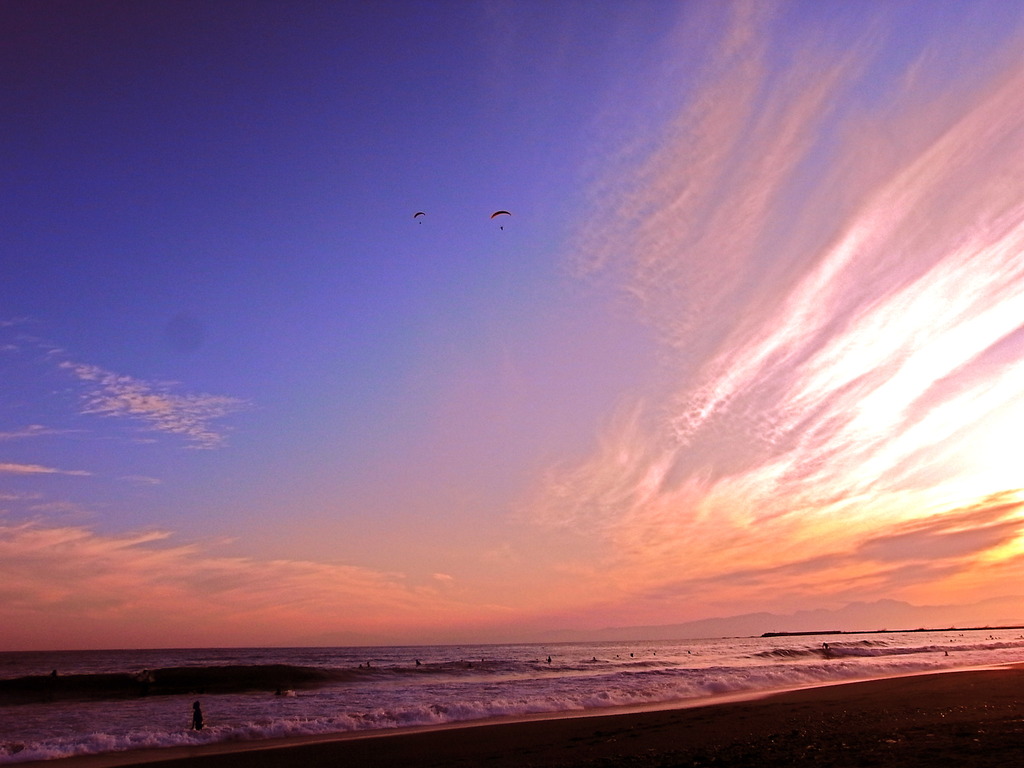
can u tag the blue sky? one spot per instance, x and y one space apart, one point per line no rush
227 345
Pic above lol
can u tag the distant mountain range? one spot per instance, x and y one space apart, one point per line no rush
881 614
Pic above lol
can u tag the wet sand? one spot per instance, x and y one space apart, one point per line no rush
963 719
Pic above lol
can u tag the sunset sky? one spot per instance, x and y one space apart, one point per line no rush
751 340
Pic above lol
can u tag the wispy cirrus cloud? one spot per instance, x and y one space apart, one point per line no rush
841 294
192 416
159 406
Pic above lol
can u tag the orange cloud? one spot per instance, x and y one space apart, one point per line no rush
71 587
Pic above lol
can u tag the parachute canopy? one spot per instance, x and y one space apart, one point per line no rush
500 213
418 214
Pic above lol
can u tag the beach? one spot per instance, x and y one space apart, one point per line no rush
959 718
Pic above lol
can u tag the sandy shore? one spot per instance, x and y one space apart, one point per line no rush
970 718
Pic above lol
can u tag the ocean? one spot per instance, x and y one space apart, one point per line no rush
58 704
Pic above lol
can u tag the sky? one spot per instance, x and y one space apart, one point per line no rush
752 338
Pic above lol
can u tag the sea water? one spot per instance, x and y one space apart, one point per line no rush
58 704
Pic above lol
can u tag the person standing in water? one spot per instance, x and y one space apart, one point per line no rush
197 717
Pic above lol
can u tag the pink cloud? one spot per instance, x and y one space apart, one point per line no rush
37 469
32 430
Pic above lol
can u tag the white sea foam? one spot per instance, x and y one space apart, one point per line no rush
366 689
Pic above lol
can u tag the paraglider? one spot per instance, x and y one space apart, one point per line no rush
420 215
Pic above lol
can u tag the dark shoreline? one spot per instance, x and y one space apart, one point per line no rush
166 681
969 718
